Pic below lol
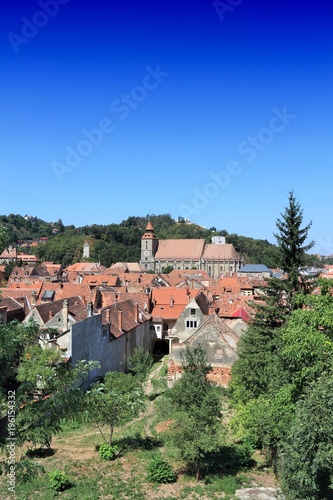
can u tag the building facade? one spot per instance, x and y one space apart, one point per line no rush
217 258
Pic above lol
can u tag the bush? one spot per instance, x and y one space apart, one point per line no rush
140 363
108 452
59 481
160 471
26 470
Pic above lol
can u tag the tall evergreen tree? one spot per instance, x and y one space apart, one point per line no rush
291 238
277 353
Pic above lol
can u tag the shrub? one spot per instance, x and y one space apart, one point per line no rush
160 471
140 363
59 481
26 470
108 452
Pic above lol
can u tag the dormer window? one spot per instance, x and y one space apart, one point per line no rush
193 311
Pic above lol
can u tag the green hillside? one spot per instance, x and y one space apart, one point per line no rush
121 242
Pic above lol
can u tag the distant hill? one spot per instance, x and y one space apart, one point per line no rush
121 242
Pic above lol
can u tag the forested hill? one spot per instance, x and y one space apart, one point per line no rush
121 242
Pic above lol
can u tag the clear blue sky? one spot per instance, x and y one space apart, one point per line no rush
213 112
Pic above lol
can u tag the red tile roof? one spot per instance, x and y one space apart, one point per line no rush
222 252
101 279
123 317
90 267
180 249
241 313
169 303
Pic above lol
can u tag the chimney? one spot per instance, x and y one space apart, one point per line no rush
33 298
171 301
107 315
136 312
65 314
89 309
50 315
120 317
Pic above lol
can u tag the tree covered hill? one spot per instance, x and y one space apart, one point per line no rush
121 242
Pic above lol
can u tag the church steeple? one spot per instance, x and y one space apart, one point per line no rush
149 231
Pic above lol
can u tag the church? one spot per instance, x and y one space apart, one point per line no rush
216 258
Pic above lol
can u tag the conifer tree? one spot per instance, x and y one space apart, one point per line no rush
291 239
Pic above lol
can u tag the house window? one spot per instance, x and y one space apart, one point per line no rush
165 327
193 312
191 324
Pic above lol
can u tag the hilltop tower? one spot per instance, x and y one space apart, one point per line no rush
149 244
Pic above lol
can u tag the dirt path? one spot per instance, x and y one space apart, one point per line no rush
149 389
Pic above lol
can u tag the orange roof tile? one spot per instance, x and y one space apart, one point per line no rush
222 252
164 295
180 249
168 312
101 279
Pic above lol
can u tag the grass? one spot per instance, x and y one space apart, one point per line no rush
75 452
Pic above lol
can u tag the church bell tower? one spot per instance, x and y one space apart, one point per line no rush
149 245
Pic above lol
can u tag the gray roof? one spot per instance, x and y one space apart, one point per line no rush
255 268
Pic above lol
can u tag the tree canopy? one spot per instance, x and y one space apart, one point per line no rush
196 428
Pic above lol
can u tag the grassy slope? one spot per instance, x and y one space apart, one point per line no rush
74 451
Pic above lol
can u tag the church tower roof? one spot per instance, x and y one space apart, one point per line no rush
149 231
149 226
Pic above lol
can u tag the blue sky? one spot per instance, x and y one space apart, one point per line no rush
212 111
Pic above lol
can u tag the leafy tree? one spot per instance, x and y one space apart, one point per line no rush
4 240
304 350
167 269
13 337
291 237
140 363
196 428
117 400
307 463
49 391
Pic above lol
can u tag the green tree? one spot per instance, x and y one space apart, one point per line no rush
167 269
140 363
291 238
253 372
304 350
13 338
196 428
4 238
117 400
307 460
49 392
